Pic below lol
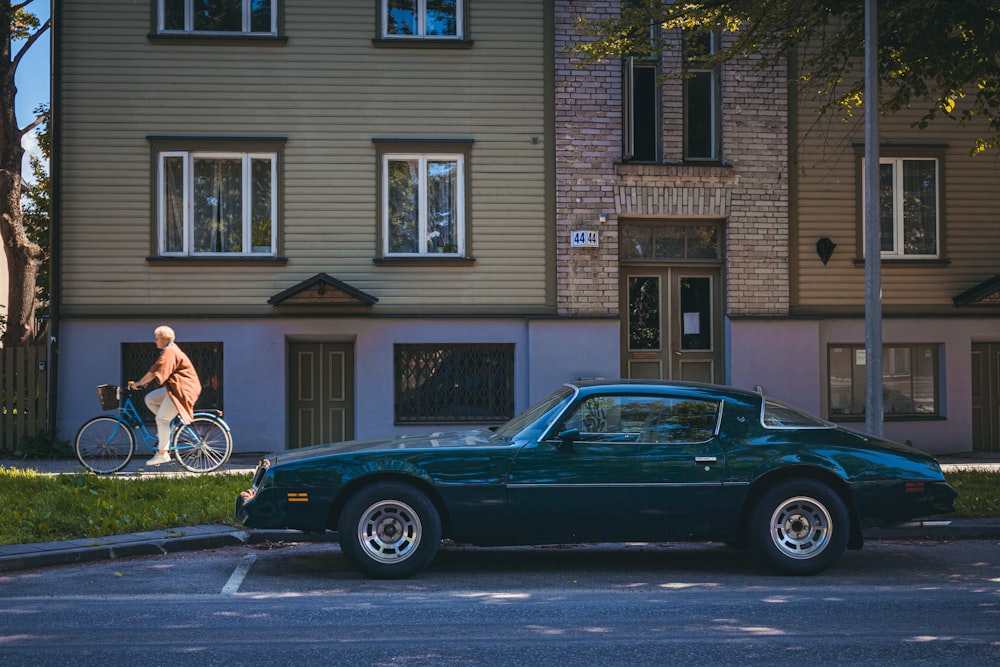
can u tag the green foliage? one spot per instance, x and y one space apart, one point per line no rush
37 206
44 508
978 493
44 445
936 55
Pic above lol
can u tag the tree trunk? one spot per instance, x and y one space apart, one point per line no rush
23 257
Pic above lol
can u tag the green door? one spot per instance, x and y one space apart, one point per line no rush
671 329
320 393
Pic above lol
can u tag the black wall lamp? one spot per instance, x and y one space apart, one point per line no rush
824 248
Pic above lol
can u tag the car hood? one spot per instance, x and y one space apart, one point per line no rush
469 438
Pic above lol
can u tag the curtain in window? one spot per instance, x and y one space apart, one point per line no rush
173 194
404 205
442 203
260 214
919 207
218 200
887 204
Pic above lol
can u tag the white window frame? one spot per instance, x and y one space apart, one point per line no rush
423 159
189 21
422 22
246 205
898 222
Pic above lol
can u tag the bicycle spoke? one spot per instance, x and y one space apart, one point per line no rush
203 445
104 445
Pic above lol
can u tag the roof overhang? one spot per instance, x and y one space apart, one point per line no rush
986 293
323 291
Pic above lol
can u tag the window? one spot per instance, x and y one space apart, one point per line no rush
651 241
641 92
909 380
909 207
217 203
643 419
207 359
218 16
641 115
701 98
423 204
434 19
454 383
778 416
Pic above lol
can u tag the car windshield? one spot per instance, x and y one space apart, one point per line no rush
531 423
779 415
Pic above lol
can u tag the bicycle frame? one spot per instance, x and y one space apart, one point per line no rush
130 418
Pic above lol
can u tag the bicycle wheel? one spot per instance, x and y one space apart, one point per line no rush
104 445
203 445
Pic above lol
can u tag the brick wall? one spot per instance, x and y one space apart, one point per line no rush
749 192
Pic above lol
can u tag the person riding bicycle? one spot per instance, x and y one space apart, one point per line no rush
179 381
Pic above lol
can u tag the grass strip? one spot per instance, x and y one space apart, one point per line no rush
978 494
44 508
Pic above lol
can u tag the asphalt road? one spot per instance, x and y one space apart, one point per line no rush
896 602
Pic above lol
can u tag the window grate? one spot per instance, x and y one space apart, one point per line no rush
454 383
207 360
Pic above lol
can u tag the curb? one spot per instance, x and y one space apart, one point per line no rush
151 543
197 538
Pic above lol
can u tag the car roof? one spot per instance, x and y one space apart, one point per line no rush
591 385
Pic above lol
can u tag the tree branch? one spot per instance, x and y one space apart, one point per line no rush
28 42
35 123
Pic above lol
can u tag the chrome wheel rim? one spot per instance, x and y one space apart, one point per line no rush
389 531
800 527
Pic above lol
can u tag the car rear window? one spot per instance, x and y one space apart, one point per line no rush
779 415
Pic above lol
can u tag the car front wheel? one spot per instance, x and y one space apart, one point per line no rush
799 527
390 530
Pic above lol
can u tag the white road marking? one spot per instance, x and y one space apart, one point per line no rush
240 573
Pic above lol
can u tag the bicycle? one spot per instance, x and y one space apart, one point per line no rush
105 444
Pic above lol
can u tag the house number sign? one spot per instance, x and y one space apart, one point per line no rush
583 238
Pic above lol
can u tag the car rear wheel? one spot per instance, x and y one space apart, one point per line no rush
799 527
389 530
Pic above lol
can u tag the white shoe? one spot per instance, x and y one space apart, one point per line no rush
158 459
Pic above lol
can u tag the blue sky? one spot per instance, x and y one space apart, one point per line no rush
33 74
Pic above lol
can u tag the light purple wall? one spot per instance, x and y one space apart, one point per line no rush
547 353
788 358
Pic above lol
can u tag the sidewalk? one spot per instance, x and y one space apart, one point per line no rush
45 554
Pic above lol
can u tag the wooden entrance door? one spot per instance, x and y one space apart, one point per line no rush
671 324
986 397
320 393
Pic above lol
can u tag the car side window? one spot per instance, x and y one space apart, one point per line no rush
650 419
678 420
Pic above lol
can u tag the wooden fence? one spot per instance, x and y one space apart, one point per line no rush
24 407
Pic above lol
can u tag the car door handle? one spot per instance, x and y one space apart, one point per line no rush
706 459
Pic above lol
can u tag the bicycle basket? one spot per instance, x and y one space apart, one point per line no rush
108 395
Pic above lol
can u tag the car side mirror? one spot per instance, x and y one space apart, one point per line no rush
567 438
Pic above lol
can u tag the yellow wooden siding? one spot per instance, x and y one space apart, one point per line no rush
828 205
330 92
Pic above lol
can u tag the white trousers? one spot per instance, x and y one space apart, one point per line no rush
159 404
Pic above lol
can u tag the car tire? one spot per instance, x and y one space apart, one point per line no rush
799 527
389 530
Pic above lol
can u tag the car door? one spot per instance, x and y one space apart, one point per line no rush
629 467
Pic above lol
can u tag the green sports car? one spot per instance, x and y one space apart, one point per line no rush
605 462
